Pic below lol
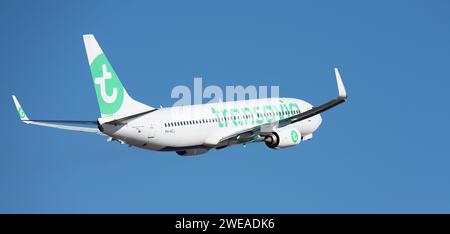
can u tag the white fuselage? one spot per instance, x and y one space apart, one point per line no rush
194 129
204 125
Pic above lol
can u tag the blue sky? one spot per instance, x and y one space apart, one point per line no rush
384 151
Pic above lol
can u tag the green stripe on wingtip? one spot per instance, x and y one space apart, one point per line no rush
21 113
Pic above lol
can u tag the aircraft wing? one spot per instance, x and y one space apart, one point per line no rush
248 135
73 125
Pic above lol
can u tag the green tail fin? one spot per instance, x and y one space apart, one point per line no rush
111 95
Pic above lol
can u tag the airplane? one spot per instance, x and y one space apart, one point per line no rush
192 129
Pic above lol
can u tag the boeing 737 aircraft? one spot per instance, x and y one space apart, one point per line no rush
195 129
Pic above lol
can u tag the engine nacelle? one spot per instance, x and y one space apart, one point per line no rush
191 152
283 137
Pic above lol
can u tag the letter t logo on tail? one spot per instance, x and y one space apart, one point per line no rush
101 81
111 95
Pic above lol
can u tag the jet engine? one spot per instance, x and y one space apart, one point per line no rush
283 137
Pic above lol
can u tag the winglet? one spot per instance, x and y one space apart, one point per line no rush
22 114
340 84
